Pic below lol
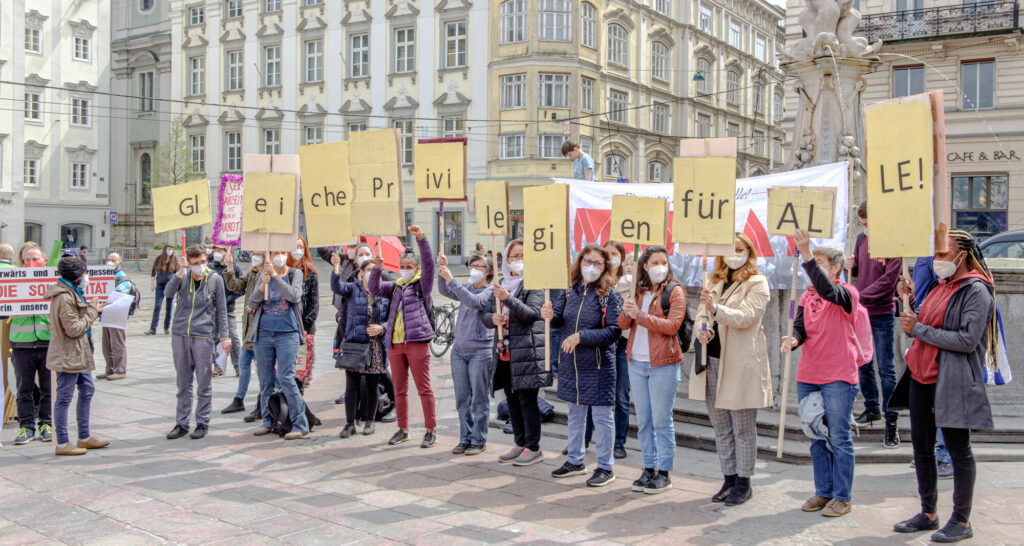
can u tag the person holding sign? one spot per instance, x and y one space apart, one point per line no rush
221 262
247 286
943 384
519 366
407 334
824 326
624 286
301 260
30 338
654 358
737 380
588 315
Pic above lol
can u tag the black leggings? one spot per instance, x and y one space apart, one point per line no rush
958 442
353 380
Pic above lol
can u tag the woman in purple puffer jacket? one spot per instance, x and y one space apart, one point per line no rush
407 334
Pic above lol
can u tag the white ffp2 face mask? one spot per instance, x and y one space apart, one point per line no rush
735 261
280 260
298 254
658 273
406 274
362 260
198 270
257 261
516 267
475 276
218 256
616 262
169 252
590 273
944 269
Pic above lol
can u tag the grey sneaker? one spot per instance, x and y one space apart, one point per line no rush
528 457
46 434
511 455
24 436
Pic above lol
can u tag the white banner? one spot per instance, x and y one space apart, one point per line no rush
22 289
590 206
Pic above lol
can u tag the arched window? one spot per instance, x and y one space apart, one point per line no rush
146 5
513 21
615 166
618 44
704 82
145 177
657 171
732 87
588 34
659 60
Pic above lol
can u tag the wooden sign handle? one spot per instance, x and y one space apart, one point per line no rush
704 323
440 224
497 302
906 298
789 355
547 335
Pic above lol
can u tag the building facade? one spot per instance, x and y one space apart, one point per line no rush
972 51
54 165
633 77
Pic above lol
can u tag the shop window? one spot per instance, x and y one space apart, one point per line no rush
980 203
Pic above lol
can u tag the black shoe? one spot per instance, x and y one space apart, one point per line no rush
177 432
389 417
235 406
254 416
741 493
347 431
641 482
167 331
952 531
149 333
569 469
723 493
918 523
619 452
369 428
399 437
460 449
199 432
867 417
601 478
428 440
659 484
892 436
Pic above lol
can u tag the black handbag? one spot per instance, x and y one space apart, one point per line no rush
353 357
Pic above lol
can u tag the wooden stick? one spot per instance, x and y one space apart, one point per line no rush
497 302
440 223
547 335
636 266
906 298
704 323
849 221
789 355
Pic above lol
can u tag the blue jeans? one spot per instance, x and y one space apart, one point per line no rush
604 428
621 397
654 394
245 372
66 383
883 337
471 374
160 297
281 348
833 460
941 453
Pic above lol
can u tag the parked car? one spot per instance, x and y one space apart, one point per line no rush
1009 244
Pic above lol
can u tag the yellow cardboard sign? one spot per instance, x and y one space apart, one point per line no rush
793 207
899 186
327 194
639 220
377 181
181 206
269 203
440 170
491 207
704 200
546 241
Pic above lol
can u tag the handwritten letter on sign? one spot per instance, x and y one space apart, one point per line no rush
377 180
269 203
327 193
181 206
440 170
639 220
704 202
546 237
492 207
793 208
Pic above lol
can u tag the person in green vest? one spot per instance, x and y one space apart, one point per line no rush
6 256
30 339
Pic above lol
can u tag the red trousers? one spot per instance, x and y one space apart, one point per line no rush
414 357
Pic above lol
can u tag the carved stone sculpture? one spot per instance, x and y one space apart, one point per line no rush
829 27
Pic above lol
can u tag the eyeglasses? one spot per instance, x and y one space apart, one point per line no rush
478 267
593 263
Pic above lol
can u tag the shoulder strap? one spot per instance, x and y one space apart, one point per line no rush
666 296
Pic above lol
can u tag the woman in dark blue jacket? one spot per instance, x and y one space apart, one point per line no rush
588 314
365 315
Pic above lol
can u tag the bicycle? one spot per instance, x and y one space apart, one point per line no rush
444 330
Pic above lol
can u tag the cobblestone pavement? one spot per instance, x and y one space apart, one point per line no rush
233 488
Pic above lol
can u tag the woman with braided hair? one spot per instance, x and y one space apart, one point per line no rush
943 385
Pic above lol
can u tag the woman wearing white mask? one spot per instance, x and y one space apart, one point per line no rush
737 380
301 260
471 353
247 285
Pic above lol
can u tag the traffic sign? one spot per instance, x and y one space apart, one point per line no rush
113 217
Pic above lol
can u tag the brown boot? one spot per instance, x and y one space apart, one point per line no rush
92 443
836 508
115 376
815 503
68 449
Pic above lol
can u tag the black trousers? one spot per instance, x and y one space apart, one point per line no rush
353 394
33 383
958 442
525 416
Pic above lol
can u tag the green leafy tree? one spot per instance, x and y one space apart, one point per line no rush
174 161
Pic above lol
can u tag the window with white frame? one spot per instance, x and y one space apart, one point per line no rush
33 106
405 50
147 91
550 146
83 47
758 142
615 166
359 54
455 44
197 76
197 152
31 173
618 44
732 130
662 6
272 66
312 134
588 28
779 106
196 15
235 67
656 171
554 90
510 146
79 112
618 104
79 176
978 84
907 80
587 145
776 149
760 48
659 61
735 35
406 129
233 148
703 126
314 61
660 117
704 69
587 94
760 96
732 87
272 141
234 9
555 23
706 19
312 2
453 126
272 5
513 21
513 91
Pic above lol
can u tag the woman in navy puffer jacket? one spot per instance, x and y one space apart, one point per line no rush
589 317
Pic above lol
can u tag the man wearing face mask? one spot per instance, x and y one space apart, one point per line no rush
200 322
219 265
30 339
115 352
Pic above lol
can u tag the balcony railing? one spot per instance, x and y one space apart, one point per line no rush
980 18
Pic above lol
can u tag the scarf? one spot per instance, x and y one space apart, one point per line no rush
398 335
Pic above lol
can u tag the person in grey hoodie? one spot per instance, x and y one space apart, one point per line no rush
471 355
200 321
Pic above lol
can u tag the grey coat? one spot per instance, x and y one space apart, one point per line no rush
290 288
199 313
960 398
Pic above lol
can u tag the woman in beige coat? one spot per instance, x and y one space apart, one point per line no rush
737 380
